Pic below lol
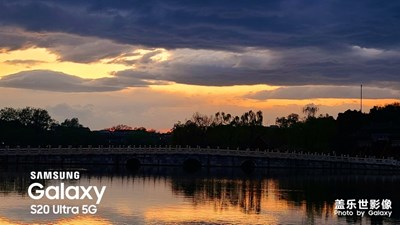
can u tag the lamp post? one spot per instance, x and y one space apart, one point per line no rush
361 99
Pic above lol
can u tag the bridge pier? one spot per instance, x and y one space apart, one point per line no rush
133 164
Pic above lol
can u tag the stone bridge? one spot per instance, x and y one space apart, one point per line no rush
188 157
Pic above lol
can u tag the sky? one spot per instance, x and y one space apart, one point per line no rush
154 63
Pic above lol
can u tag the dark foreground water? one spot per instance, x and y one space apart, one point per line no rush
168 195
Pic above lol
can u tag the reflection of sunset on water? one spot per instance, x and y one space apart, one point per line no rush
79 220
169 196
5 221
205 214
231 201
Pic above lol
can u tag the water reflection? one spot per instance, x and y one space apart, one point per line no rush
246 194
220 196
79 220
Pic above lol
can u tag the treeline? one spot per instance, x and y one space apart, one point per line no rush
34 127
222 130
373 133
352 132
247 131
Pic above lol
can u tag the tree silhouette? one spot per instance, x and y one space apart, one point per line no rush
28 116
119 127
202 121
74 122
221 118
375 133
310 110
9 114
286 122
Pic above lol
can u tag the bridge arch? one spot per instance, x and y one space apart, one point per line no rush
248 165
133 164
191 164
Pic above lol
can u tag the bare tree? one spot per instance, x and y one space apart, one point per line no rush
201 120
310 110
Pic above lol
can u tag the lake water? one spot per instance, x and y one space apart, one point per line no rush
168 195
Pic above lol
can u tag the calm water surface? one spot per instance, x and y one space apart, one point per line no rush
167 195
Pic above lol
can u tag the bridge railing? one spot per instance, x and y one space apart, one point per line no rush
268 153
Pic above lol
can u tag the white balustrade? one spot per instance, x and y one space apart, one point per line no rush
268 153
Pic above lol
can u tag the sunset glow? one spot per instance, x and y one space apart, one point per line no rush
179 74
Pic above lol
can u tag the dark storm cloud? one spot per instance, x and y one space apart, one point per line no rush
215 24
285 68
218 43
47 80
309 92
66 46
